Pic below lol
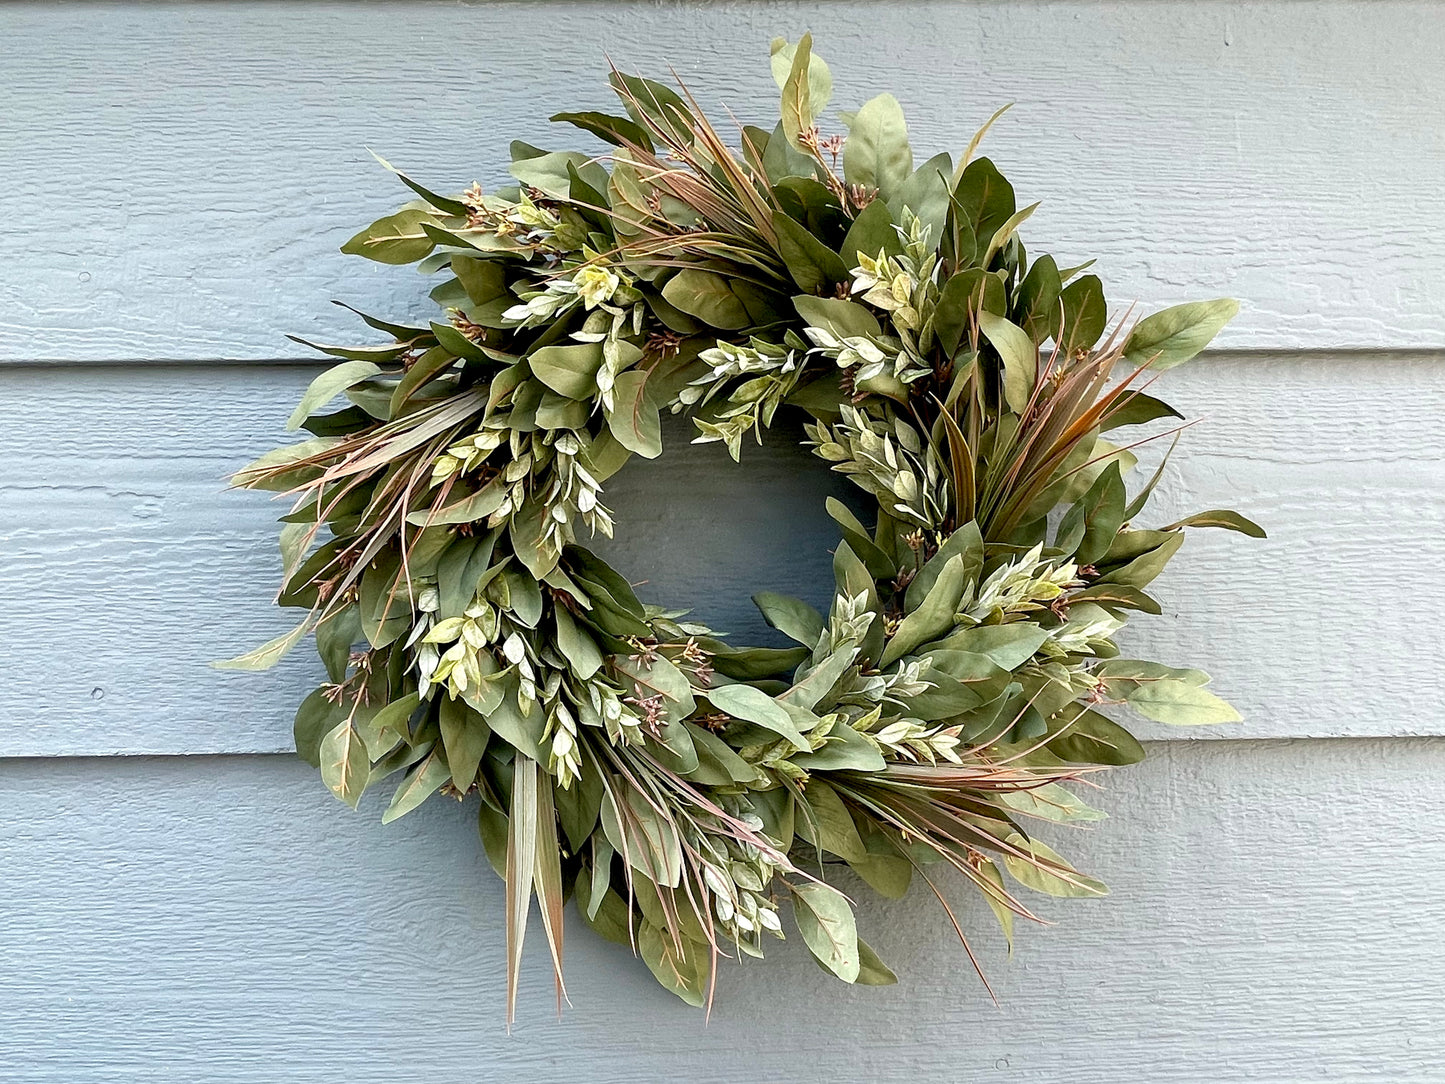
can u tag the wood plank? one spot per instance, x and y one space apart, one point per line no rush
180 177
226 919
128 567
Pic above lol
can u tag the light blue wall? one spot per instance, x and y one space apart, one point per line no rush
180 906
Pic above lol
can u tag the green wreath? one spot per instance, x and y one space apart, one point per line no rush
687 792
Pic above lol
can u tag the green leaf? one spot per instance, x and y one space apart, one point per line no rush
970 291
619 131
315 718
753 663
483 280
935 614
1083 736
269 653
718 763
983 200
752 705
887 870
454 342
820 79
798 107
1037 301
655 102
385 727
1144 569
871 970
845 750
1121 671
825 921
845 319
826 823
385 600
1085 314
521 732
1048 872
647 840
1169 700
441 203
634 419
568 370
1175 335
1220 517
464 740
583 655
423 371
876 153
1103 514
681 967
1019 354
708 297
966 542
814 267
792 617
395 239
869 552
417 786
1136 408
1008 646
550 173
345 766
871 232
472 508
327 386
925 193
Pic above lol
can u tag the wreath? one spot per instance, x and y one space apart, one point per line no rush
685 791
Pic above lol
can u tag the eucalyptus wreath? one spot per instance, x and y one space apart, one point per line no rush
689 793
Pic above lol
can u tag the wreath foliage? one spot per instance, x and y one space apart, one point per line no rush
684 791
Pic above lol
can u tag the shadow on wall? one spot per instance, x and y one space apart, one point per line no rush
696 529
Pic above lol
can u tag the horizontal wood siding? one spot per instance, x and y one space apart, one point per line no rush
140 568
224 919
177 179
180 177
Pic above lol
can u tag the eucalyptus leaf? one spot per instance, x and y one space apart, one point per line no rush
1175 335
876 153
825 921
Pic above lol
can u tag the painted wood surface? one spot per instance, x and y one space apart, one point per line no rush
133 567
176 181
225 919
178 178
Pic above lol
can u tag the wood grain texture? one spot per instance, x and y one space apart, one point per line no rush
128 567
225 919
178 178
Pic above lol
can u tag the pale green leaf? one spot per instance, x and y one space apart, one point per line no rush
269 653
755 706
876 153
345 767
1175 335
634 419
327 386
825 920
792 617
1220 517
1019 354
417 786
